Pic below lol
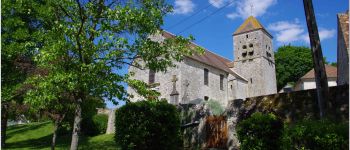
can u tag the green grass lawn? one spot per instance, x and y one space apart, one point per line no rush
39 135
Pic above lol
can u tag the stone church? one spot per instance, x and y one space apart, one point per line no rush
211 76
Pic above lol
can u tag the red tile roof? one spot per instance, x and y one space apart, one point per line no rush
330 71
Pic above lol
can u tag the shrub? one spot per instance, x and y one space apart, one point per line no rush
318 134
148 125
95 125
215 107
260 131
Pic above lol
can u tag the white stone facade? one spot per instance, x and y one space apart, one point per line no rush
251 74
254 60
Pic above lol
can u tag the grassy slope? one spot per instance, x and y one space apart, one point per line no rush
38 136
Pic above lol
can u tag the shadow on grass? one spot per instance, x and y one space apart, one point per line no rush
40 143
18 129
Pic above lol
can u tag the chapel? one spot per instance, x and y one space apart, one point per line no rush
213 77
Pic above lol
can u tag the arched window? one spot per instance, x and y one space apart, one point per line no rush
244 54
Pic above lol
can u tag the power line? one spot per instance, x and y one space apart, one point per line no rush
206 17
185 19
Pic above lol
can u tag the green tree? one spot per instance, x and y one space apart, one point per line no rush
292 62
18 43
88 42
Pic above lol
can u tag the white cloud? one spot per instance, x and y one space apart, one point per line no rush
232 15
183 6
326 34
292 31
217 3
246 8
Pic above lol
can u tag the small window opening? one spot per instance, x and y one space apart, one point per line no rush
231 86
244 54
206 74
206 98
244 46
251 53
246 36
251 80
221 82
250 45
268 54
151 76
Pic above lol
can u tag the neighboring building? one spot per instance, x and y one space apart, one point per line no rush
308 80
210 76
287 88
343 48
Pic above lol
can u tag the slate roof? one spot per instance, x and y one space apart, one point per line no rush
250 24
330 71
210 58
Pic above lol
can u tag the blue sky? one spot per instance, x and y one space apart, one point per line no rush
284 19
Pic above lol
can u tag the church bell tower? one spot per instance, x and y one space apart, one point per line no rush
254 57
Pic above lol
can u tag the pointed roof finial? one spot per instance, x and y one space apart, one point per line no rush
251 9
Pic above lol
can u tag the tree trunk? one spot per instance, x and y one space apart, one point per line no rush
4 116
54 136
76 126
320 73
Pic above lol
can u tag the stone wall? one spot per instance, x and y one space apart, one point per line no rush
290 107
190 83
111 119
343 48
192 74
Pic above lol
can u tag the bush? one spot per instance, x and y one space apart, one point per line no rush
321 134
215 107
95 125
260 131
146 125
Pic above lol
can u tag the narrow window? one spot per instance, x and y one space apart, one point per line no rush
151 76
206 74
231 86
221 82
251 80
246 36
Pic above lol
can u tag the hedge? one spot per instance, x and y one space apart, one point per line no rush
146 125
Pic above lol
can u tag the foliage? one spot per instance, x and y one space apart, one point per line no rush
148 125
260 131
95 125
38 136
89 41
318 134
215 107
292 62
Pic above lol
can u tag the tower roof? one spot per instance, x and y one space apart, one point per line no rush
250 24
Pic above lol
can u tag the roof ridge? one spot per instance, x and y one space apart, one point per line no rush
201 47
